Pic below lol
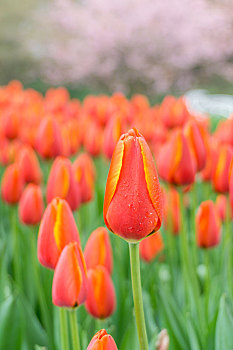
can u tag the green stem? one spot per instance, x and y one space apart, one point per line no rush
16 251
137 295
41 296
228 246
63 329
74 330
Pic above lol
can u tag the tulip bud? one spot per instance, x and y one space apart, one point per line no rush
208 225
175 162
70 284
84 174
220 176
98 250
101 299
12 184
57 229
133 198
112 133
93 139
31 205
49 138
151 246
196 144
221 206
10 124
29 165
102 341
61 183
172 217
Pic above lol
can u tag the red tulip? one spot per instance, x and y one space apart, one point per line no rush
112 133
133 199
84 174
49 138
11 124
93 139
12 184
196 143
29 165
208 225
57 229
70 284
221 206
220 176
175 162
31 205
101 299
98 250
102 341
151 246
172 216
231 186
61 183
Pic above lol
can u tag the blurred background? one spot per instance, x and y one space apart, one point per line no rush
133 46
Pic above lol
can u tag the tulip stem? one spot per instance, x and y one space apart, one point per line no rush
74 329
16 256
137 295
63 329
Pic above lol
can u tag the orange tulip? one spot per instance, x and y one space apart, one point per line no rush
12 184
29 165
57 229
11 124
31 205
101 299
151 246
102 341
93 139
61 183
175 162
221 206
220 175
70 284
98 250
133 198
84 174
49 138
112 133
172 218
196 143
231 186
208 225
211 148
174 112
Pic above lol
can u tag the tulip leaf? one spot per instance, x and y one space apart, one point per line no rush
130 337
224 326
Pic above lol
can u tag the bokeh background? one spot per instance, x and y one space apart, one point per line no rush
133 46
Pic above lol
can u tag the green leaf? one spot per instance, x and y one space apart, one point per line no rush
224 326
130 339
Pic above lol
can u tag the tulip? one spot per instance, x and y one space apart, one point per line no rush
211 148
174 112
10 124
84 174
70 285
231 186
98 250
101 299
93 139
12 184
196 143
133 199
221 206
61 183
49 138
102 341
151 246
29 165
208 225
220 175
172 211
31 205
112 133
175 162
57 229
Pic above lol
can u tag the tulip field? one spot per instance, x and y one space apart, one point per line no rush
115 223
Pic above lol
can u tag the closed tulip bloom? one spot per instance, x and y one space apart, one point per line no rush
61 183
175 161
196 143
70 284
10 124
101 299
93 139
84 174
172 216
220 175
208 225
98 250
29 165
102 341
31 205
112 133
133 199
221 206
49 138
151 246
12 184
57 229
